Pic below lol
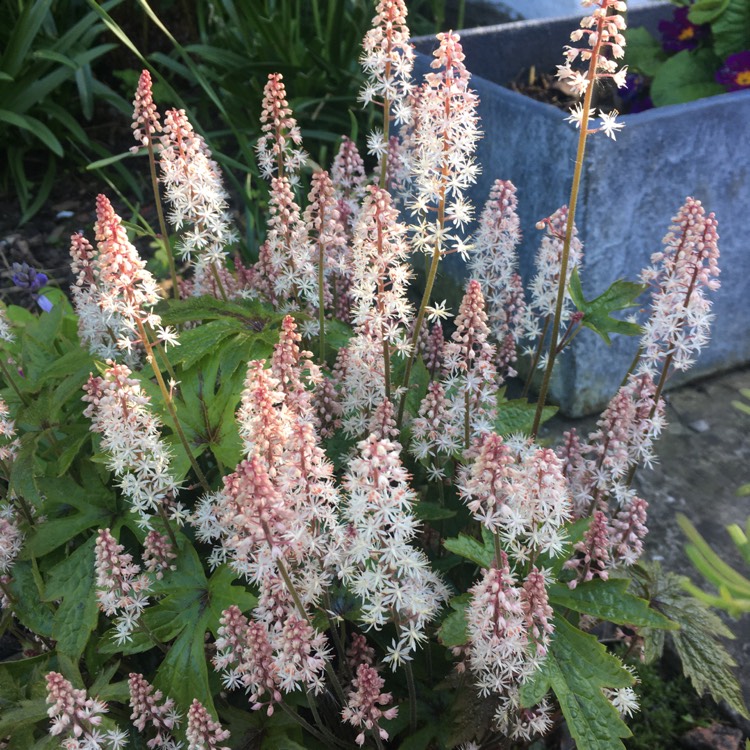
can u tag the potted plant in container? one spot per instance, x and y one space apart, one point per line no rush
695 147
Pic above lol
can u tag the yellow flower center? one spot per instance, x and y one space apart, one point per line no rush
687 33
743 78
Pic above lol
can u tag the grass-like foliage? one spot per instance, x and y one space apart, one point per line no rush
213 537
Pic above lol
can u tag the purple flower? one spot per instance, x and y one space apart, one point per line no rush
679 33
734 74
25 277
635 94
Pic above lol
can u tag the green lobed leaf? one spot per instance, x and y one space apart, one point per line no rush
73 582
28 607
453 630
24 714
71 508
731 30
609 600
577 668
196 343
621 295
706 11
643 53
427 511
466 546
704 659
517 416
686 76
250 312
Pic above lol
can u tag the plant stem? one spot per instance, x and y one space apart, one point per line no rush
572 203
535 359
302 722
8 595
412 697
321 299
417 326
162 223
170 406
219 285
170 531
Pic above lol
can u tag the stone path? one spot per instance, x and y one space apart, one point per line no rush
704 456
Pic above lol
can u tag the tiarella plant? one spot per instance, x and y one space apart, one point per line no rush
212 537
702 50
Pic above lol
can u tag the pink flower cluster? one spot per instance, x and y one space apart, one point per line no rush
78 717
121 588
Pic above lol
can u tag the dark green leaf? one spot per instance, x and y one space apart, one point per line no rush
731 30
23 471
73 582
94 503
706 11
471 549
621 295
453 631
609 600
25 714
28 607
427 511
517 416
576 669
705 661
686 76
644 53
196 343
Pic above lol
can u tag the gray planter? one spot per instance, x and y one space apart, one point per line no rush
630 190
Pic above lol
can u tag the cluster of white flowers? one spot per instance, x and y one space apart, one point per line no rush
389 575
119 410
679 324
195 192
604 32
446 132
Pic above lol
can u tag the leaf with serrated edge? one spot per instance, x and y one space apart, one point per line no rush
609 600
471 549
621 295
72 582
577 668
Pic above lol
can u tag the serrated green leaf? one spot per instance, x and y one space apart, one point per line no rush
337 334
196 343
251 313
686 76
643 53
93 502
621 295
73 582
427 511
517 416
731 30
28 607
706 11
705 661
453 630
577 668
609 600
23 471
466 546
25 714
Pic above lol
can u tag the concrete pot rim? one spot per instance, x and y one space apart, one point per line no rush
669 111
